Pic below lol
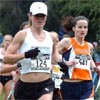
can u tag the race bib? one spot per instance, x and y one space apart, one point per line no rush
40 63
82 59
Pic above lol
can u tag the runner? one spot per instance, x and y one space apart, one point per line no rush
5 79
77 78
56 73
36 48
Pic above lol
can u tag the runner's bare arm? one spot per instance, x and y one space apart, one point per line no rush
8 68
11 55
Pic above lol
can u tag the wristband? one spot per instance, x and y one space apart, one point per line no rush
19 65
63 65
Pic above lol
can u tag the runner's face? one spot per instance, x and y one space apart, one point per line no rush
39 20
81 28
7 41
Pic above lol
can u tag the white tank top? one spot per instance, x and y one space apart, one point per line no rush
42 63
1 57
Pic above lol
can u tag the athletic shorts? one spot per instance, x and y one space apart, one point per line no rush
56 95
32 91
4 79
77 90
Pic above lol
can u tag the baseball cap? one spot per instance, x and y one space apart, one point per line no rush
38 8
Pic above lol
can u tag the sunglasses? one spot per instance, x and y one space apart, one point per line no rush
39 15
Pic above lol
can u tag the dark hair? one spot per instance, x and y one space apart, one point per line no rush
66 23
79 18
23 24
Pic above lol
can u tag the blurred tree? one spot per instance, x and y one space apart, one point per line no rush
58 9
14 12
11 17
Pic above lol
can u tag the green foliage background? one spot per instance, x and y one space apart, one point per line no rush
14 12
89 8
